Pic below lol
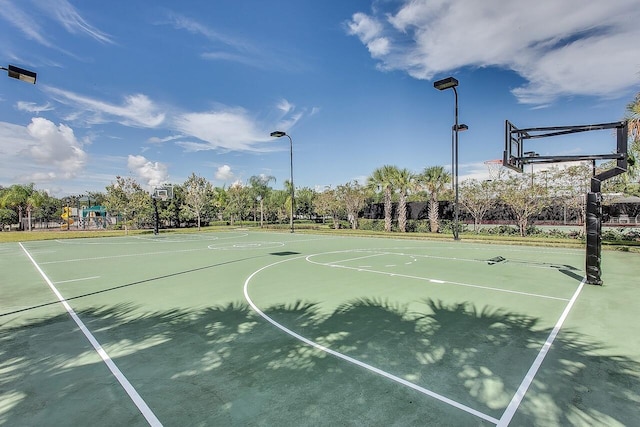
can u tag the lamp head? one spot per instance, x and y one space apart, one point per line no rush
447 83
21 74
278 134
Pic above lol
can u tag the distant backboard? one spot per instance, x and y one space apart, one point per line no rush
163 193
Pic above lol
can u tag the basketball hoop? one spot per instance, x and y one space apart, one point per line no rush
162 193
495 168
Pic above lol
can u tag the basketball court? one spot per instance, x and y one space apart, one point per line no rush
252 328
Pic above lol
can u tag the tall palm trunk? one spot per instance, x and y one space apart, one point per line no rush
387 209
29 218
402 213
20 227
434 214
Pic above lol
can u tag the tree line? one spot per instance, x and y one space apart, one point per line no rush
197 201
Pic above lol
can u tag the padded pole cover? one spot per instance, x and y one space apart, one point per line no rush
594 238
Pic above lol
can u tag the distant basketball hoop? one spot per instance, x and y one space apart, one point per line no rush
162 193
495 168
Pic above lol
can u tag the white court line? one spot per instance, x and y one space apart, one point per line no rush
122 256
354 259
124 382
356 361
382 251
78 280
431 280
528 379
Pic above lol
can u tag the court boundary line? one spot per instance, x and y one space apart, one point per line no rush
124 382
123 256
517 398
352 360
77 280
426 279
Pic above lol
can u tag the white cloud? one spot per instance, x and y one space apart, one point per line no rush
225 47
68 16
365 27
156 140
288 117
153 174
561 48
227 129
23 21
285 106
237 184
56 146
137 110
22 17
39 152
32 107
224 173
379 47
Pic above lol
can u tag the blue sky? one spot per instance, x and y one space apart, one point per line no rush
157 90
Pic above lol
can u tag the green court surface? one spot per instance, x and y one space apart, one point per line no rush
245 328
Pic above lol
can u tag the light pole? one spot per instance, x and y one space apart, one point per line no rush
532 154
451 83
279 134
461 127
20 74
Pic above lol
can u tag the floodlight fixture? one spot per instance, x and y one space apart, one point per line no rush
447 83
20 74
280 134
461 127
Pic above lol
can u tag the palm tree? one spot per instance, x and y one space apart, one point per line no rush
434 179
403 181
260 188
633 119
382 180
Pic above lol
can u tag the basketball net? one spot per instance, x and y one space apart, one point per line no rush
496 170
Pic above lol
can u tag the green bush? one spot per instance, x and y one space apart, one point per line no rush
417 226
371 224
446 227
612 235
501 230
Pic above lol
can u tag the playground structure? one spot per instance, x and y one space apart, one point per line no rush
515 158
67 217
85 217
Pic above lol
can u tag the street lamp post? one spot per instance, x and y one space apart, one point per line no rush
279 134
461 127
20 74
452 83
532 154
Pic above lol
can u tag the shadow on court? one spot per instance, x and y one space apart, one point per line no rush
227 366
138 282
